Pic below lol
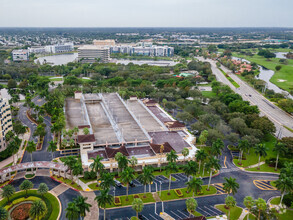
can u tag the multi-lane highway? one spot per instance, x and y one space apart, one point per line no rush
279 117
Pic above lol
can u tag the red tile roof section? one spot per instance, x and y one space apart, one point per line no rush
111 152
86 138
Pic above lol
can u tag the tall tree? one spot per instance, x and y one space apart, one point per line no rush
137 206
248 202
170 168
281 149
70 162
190 169
97 166
194 185
107 180
7 192
261 205
3 213
26 185
230 202
230 186
52 148
200 156
217 147
243 146
43 189
185 152
122 162
212 165
82 205
38 209
72 211
77 170
127 176
146 177
261 150
103 199
285 185
133 161
191 205
172 156
30 148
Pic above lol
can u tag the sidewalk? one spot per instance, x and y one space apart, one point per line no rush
256 165
9 160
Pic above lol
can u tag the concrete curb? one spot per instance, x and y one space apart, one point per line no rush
77 190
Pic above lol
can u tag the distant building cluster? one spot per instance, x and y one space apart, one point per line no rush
241 66
101 50
6 121
20 55
57 48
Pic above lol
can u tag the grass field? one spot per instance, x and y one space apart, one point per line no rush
264 168
234 212
208 94
284 74
124 202
252 158
164 196
94 186
275 201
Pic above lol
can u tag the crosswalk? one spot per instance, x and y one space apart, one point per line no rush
228 170
264 184
219 187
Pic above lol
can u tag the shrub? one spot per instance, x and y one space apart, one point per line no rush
117 201
178 192
88 175
288 199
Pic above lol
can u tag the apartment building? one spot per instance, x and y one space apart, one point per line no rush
20 55
93 53
6 121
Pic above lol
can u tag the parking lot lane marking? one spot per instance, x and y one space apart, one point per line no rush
145 217
211 210
208 214
176 215
182 213
153 217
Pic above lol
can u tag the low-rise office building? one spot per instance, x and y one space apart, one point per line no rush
104 42
6 121
93 53
20 55
57 48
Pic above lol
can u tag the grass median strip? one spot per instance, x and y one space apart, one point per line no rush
229 78
173 195
235 212
128 201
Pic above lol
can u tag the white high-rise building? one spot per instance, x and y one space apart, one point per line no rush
93 53
20 55
6 121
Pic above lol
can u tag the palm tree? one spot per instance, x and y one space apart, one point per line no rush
191 205
103 199
86 131
64 143
285 185
26 185
75 131
161 156
82 205
38 209
243 146
127 176
122 162
248 203
133 161
7 191
146 177
194 185
72 211
107 180
172 156
117 157
52 148
71 143
280 148
70 161
200 156
230 186
97 166
30 148
43 189
217 147
185 153
190 169
261 150
137 206
77 170
230 202
170 168
3 213
213 164
14 149
261 205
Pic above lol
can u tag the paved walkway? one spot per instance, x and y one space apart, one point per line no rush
256 165
61 188
94 210
157 197
243 214
165 216
43 172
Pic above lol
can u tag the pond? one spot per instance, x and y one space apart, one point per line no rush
281 55
60 59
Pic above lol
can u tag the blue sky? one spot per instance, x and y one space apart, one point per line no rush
146 13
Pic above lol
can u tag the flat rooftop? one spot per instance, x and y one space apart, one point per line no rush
159 114
148 122
75 115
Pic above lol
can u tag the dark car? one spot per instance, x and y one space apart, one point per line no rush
131 184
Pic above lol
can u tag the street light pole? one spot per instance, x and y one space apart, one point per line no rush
160 188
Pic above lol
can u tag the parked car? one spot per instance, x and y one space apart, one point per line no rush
117 183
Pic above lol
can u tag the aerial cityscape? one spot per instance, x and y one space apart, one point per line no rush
158 110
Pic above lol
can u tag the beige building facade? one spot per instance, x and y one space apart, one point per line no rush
6 121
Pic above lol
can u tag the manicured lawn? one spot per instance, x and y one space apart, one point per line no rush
94 186
88 180
164 196
252 158
195 213
251 217
286 216
208 94
275 201
284 74
50 200
124 202
234 212
264 168
68 182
